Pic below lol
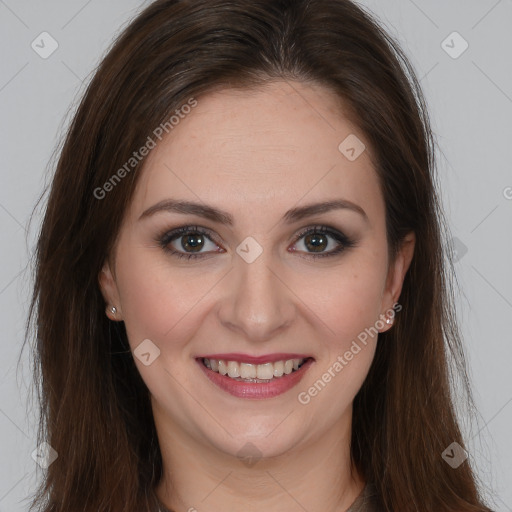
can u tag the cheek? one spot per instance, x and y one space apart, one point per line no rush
162 306
348 298
157 303
355 306
348 302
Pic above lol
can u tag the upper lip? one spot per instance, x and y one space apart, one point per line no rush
246 358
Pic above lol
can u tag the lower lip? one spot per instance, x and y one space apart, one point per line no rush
254 390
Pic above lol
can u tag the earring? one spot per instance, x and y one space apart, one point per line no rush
113 310
389 321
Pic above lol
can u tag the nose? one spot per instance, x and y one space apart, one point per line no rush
258 303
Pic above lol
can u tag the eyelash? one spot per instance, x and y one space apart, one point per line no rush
169 236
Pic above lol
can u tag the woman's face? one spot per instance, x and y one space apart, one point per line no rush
255 288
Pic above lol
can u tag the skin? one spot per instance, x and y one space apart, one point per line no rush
255 154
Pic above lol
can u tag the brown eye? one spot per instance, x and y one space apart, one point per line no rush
192 242
188 242
322 241
316 242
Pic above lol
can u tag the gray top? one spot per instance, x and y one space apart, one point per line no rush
365 502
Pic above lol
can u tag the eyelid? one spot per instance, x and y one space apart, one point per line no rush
320 228
169 235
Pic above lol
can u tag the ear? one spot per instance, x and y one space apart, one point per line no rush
396 275
108 288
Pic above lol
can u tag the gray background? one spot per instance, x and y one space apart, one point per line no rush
470 100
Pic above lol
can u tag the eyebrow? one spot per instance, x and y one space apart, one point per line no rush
222 217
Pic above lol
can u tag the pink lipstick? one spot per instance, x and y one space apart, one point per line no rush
256 388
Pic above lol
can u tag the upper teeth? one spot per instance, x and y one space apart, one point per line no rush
265 371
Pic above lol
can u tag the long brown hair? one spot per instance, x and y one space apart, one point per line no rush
95 407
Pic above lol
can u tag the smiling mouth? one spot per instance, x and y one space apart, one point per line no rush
254 373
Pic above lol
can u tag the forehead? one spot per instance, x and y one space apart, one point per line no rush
242 148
